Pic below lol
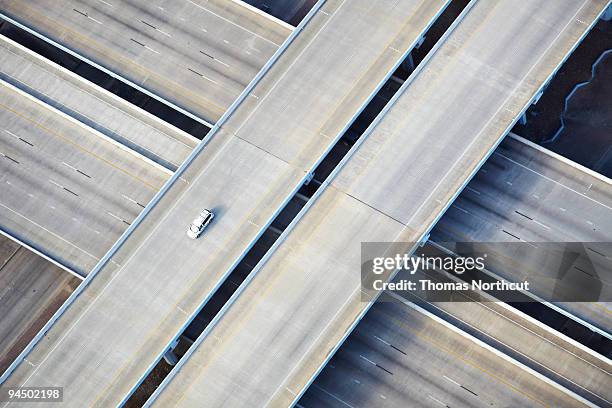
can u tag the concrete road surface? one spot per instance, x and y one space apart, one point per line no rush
399 357
67 191
123 322
94 106
32 288
524 194
550 353
268 345
198 55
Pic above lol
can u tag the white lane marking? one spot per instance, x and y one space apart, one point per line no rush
437 400
69 166
50 232
381 340
368 360
554 181
473 190
333 396
105 2
93 19
221 62
56 183
131 199
12 134
151 49
115 216
451 380
542 225
461 209
163 32
231 22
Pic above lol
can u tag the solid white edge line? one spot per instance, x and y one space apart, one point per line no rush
41 254
86 128
255 10
530 319
563 159
116 99
152 203
475 170
106 70
300 214
492 349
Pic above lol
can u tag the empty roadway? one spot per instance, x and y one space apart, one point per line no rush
32 289
93 105
398 356
525 194
67 191
521 337
284 324
131 311
198 55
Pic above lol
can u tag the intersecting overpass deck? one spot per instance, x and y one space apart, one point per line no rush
282 325
136 304
193 55
518 176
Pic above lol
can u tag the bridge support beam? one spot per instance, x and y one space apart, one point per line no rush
408 63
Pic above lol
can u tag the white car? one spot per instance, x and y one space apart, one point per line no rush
197 226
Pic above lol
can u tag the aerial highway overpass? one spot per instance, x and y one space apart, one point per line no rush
67 190
135 304
527 179
196 56
400 355
284 323
524 193
93 106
